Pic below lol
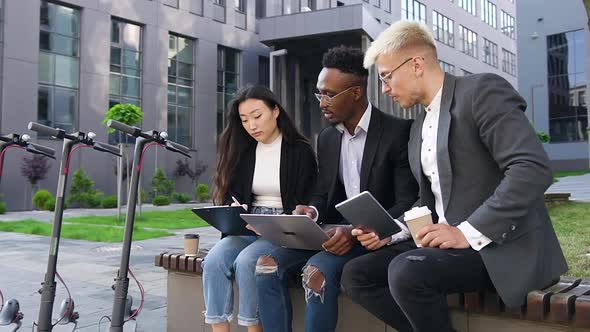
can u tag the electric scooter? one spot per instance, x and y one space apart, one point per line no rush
10 311
71 142
122 302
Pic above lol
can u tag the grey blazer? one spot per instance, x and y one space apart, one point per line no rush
493 173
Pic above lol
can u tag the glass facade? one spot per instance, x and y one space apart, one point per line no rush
442 29
568 87
181 70
228 78
414 11
59 66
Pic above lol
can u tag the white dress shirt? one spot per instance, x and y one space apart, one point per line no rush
430 169
352 148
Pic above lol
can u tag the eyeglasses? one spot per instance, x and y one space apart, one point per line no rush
327 99
385 79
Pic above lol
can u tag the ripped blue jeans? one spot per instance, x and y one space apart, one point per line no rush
321 312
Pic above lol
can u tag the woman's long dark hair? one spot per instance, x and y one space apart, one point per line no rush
234 140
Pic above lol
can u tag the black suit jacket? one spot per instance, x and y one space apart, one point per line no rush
298 172
493 173
385 171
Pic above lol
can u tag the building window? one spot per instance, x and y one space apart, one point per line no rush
507 25
59 66
488 13
219 2
567 80
264 71
386 5
468 5
126 68
228 78
442 28
508 62
241 6
447 67
490 53
260 8
181 70
468 40
171 3
414 11
307 5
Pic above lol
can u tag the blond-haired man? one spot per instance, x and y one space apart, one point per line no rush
483 173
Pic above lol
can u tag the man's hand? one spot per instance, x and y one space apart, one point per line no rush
305 210
340 240
442 236
369 240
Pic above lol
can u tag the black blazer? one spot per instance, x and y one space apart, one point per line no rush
385 171
298 172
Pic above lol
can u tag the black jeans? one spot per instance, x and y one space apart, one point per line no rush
406 287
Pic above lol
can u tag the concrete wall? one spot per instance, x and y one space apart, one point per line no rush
20 81
550 18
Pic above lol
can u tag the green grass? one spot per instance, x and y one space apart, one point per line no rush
80 232
569 173
572 225
178 219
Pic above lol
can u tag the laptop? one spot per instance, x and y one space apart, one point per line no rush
364 212
289 231
225 219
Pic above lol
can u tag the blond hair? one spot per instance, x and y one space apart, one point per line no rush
399 36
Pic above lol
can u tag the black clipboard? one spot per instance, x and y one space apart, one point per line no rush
225 219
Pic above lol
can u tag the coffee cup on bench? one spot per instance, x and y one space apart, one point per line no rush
415 219
191 244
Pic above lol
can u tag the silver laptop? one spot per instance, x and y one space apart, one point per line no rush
289 231
365 212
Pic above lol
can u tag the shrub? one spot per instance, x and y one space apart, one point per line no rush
2 207
181 197
161 200
82 191
202 192
161 186
40 198
109 202
49 204
543 137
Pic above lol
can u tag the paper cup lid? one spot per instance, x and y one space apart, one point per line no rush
417 212
191 236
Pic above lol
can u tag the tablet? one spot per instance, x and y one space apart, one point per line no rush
224 218
289 231
364 212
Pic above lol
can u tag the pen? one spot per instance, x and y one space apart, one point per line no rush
236 201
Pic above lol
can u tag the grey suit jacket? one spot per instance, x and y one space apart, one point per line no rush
493 173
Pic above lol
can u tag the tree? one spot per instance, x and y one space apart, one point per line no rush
35 168
184 169
130 115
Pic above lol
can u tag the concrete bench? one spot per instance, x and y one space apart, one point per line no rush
565 306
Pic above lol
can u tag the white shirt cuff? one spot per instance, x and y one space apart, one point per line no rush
317 214
400 236
476 240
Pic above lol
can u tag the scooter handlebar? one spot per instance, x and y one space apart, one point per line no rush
107 148
181 148
43 149
133 131
42 129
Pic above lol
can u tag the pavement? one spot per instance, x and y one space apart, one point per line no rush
578 186
89 268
